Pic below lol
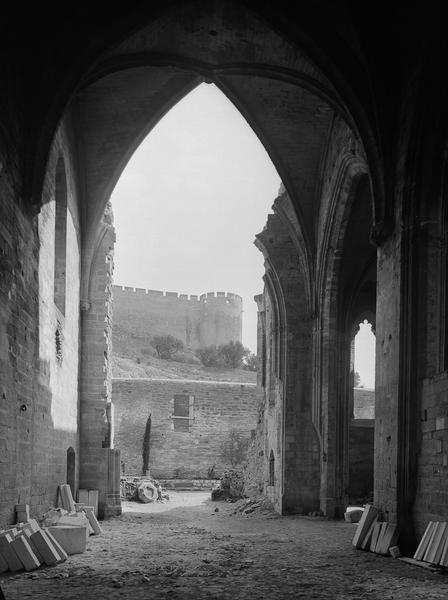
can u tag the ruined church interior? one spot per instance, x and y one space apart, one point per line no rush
350 103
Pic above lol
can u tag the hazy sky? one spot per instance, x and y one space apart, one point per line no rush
365 355
190 202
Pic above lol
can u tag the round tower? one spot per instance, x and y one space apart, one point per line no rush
221 318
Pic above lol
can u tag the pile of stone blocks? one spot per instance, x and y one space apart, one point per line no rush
433 547
28 546
375 535
89 498
63 531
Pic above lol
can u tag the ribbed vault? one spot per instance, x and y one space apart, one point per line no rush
287 101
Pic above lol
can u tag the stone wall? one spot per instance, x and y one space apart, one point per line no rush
219 410
361 460
291 453
196 320
38 367
100 463
364 403
432 493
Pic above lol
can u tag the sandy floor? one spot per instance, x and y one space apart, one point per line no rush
186 550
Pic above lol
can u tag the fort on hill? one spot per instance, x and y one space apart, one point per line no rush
211 318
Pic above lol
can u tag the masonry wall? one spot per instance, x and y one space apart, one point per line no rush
221 411
432 491
38 390
196 320
292 445
100 462
364 403
361 460
271 418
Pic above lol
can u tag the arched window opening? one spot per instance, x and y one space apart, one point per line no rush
71 469
362 425
271 468
186 211
364 372
60 236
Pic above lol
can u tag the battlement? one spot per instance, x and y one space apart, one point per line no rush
206 297
211 318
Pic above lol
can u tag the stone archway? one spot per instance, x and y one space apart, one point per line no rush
299 115
292 107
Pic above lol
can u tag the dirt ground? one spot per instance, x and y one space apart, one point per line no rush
186 550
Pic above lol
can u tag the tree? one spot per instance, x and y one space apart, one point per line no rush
356 379
234 448
146 445
228 356
232 354
251 362
209 356
166 346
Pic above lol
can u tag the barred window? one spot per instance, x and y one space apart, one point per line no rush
183 412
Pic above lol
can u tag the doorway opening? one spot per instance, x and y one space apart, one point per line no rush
71 470
362 426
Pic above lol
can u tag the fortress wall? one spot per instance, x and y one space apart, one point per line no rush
219 410
221 319
196 320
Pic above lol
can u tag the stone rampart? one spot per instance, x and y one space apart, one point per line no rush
211 318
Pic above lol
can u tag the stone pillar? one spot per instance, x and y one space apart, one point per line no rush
290 369
98 466
396 386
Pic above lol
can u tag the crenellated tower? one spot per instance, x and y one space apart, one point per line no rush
211 318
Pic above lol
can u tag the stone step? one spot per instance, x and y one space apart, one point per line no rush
187 484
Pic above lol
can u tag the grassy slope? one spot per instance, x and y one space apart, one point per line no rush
132 358
170 369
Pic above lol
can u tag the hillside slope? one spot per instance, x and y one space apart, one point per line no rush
169 369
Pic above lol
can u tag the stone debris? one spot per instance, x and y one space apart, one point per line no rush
89 498
251 505
229 487
142 489
52 516
433 547
375 535
146 492
161 556
353 514
61 532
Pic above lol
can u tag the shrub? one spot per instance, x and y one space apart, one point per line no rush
148 352
234 448
186 357
230 356
250 362
209 356
166 345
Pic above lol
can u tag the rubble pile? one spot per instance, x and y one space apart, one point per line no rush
229 487
247 506
59 533
145 490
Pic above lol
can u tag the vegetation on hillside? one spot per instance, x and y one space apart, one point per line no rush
135 357
166 346
154 367
232 355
